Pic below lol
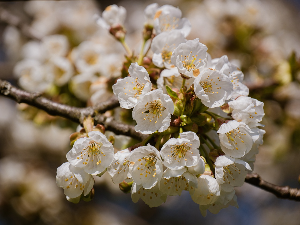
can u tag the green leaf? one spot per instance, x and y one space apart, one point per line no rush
172 93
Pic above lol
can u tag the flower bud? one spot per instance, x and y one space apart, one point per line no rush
118 32
125 187
147 32
99 127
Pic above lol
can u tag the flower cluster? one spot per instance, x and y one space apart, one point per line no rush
202 127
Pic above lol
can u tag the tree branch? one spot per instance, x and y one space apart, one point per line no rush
281 192
74 114
77 114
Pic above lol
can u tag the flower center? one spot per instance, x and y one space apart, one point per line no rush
180 150
147 165
73 182
230 172
234 136
168 23
206 85
91 152
154 110
188 62
138 88
166 56
91 59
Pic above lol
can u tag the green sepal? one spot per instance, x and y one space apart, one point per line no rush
172 93
89 196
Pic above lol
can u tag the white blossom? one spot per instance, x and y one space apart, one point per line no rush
174 182
147 166
80 85
61 70
111 65
207 191
234 74
199 168
87 57
235 138
247 110
150 11
34 50
55 45
73 180
119 168
114 15
230 172
180 152
190 57
153 112
172 78
33 75
223 201
163 45
152 197
212 87
99 91
130 89
168 18
93 153
257 137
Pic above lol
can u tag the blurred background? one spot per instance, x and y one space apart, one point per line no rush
261 36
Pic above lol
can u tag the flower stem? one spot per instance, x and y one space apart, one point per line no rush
141 56
183 83
214 116
211 141
148 48
180 130
207 143
129 53
157 145
147 138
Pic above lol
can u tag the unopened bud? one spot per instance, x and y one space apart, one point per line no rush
125 187
99 127
118 32
147 61
147 32
111 139
176 122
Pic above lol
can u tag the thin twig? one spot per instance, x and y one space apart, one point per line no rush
72 113
281 192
